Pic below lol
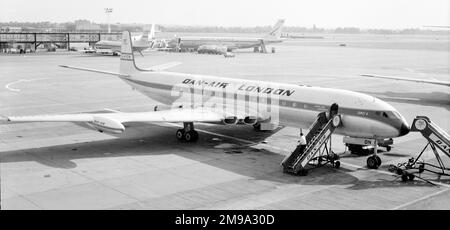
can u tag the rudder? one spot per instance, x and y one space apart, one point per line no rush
276 30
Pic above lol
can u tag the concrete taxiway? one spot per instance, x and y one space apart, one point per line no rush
66 166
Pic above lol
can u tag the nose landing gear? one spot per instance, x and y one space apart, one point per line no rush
374 161
187 133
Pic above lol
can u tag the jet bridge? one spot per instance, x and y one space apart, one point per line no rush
437 139
37 39
318 142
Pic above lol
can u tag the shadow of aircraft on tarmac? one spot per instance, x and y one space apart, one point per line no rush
220 152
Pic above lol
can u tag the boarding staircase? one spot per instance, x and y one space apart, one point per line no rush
438 139
318 136
436 136
263 47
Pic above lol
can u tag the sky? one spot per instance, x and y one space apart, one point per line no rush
375 14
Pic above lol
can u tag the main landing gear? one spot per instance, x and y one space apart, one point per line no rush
187 133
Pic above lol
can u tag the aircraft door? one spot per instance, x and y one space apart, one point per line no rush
333 110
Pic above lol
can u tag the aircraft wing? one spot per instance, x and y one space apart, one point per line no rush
435 82
151 69
115 121
93 70
176 115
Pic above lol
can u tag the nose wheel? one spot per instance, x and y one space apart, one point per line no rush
373 162
187 133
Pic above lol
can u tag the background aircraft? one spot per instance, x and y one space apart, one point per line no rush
140 43
229 43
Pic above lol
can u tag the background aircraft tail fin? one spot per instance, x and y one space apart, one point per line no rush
276 30
152 32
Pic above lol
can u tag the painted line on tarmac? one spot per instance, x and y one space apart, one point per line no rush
388 173
8 86
287 150
420 199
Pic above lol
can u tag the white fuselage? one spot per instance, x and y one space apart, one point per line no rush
230 42
292 105
115 46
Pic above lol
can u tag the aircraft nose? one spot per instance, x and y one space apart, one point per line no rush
404 129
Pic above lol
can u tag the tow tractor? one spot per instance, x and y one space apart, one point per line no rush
437 139
364 146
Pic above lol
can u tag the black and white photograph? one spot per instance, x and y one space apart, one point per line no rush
225 105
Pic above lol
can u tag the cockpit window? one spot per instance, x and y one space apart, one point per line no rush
387 114
397 115
392 115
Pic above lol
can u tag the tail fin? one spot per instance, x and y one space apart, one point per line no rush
276 30
152 32
148 35
127 65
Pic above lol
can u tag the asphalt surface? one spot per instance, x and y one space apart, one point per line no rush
66 166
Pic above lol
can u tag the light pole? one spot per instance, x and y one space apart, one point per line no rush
108 12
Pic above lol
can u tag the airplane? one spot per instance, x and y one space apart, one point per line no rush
141 43
434 82
191 98
230 43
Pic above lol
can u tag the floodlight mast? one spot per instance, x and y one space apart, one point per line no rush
108 12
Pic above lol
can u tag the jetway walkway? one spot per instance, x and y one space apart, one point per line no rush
437 139
318 142
37 39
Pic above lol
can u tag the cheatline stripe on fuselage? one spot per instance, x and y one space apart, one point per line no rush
282 102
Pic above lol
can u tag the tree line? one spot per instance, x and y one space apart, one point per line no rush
117 27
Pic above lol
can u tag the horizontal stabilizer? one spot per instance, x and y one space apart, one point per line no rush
93 70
